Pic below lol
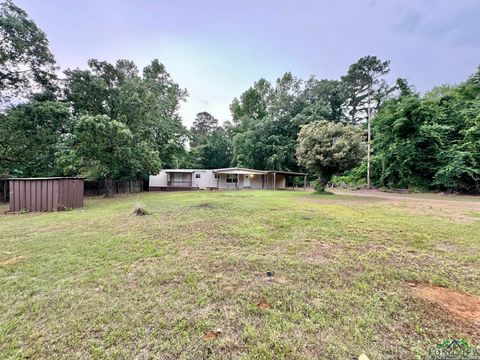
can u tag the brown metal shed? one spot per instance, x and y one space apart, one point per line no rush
45 194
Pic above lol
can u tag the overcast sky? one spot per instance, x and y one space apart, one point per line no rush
217 49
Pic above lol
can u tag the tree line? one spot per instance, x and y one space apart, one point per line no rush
116 121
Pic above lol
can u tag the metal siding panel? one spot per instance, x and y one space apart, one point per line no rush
50 195
74 194
28 204
38 189
69 193
81 192
33 195
22 195
17 195
55 194
60 194
12 195
44 195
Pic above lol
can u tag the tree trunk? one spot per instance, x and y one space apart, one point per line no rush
321 183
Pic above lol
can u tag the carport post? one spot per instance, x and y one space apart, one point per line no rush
305 183
274 180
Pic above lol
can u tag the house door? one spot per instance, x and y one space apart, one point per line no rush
246 181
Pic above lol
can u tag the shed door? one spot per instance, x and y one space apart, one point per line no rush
246 181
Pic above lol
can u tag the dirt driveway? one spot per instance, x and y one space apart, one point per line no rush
456 207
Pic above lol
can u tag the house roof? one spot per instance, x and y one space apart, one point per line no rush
237 170
179 171
292 173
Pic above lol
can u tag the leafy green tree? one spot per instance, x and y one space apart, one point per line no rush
322 99
265 132
102 148
148 104
328 149
30 135
26 63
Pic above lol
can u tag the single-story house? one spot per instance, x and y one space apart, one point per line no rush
228 178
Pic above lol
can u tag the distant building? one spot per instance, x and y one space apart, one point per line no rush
228 178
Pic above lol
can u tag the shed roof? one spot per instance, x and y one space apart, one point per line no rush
48 178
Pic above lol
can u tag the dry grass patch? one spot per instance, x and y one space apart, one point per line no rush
12 261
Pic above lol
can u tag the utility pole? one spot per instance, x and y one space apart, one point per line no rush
369 139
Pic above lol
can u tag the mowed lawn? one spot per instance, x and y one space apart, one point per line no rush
189 280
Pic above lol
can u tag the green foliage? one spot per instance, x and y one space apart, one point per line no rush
327 149
148 105
26 63
211 145
365 88
102 148
30 135
264 127
355 177
430 142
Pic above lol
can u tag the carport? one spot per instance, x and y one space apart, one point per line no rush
287 175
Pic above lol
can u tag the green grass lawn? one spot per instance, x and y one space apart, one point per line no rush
186 280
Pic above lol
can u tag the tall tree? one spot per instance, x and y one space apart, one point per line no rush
366 90
211 145
203 126
26 63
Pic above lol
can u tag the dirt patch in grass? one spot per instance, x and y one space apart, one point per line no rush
205 206
12 261
459 304
262 304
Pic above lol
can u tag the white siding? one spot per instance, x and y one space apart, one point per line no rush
158 180
206 179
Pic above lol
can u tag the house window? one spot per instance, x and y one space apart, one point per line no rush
197 176
232 178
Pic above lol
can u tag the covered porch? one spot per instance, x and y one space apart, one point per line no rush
240 178
179 179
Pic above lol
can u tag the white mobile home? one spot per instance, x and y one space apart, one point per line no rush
229 178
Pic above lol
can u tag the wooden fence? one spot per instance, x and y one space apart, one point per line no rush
112 187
